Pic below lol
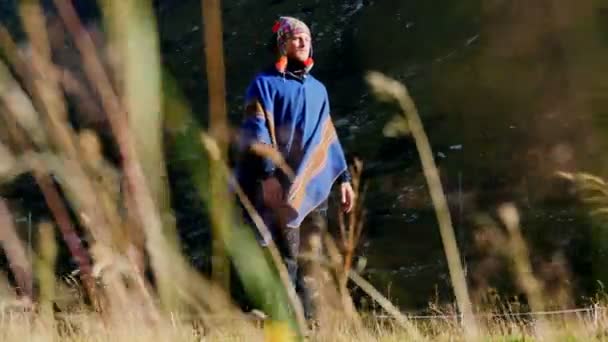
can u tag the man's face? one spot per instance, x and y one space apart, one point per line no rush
298 47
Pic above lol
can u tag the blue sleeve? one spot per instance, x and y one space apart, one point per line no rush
345 177
254 128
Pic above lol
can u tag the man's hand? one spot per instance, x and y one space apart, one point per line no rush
272 192
348 197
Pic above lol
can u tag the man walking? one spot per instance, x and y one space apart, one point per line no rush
287 108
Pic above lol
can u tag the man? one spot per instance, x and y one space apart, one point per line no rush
288 109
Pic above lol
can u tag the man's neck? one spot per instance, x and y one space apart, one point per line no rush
295 66
296 69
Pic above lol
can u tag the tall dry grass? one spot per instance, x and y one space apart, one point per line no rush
390 90
134 283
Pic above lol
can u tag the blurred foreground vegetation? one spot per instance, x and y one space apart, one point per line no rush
117 224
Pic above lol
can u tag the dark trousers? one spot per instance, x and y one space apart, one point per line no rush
294 241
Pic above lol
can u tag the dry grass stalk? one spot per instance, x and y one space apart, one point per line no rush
218 127
391 90
7 161
16 101
268 151
106 181
41 77
102 221
45 269
336 260
133 46
351 232
16 252
132 53
59 212
164 265
591 189
520 256
210 144
179 286
44 80
384 303
401 319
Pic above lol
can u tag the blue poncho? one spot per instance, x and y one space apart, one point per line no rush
292 114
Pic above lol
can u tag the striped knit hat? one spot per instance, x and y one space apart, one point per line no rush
285 28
